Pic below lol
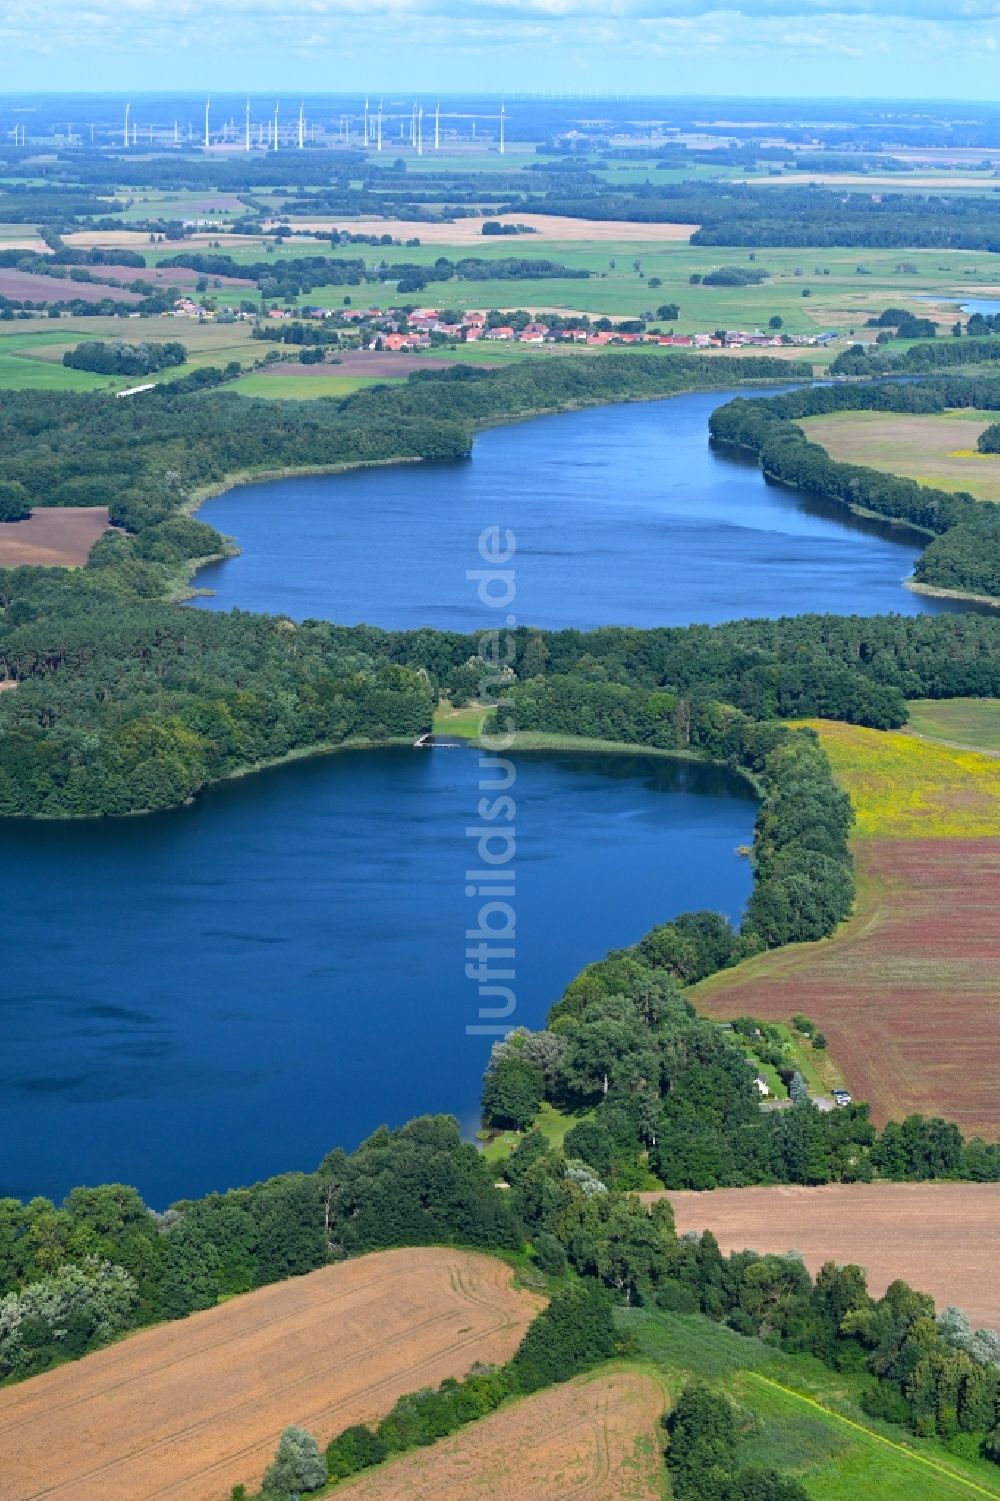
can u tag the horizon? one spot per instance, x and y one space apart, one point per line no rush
850 50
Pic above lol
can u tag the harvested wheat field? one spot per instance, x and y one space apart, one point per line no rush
185 1411
594 1439
55 537
941 1238
470 231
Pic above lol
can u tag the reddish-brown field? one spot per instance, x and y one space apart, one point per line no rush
27 286
56 536
907 991
939 1237
595 1439
185 1411
168 276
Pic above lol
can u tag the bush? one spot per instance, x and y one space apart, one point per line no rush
354 1450
572 1334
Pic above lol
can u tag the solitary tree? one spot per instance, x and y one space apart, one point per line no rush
298 1466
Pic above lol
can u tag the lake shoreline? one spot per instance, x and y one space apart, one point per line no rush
239 478
932 591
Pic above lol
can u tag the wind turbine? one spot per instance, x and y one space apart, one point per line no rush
379 122
207 106
276 124
503 112
127 108
302 125
437 127
247 128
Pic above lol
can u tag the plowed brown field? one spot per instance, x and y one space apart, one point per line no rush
907 991
594 1439
184 1411
57 536
942 1238
29 286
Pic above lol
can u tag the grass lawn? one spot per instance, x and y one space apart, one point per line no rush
303 387
936 449
905 788
817 1068
973 722
465 723
31 351
553 1124
806 1418
31 362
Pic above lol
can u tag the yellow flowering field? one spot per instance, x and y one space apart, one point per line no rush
905 788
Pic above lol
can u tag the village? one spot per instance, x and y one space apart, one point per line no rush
407 330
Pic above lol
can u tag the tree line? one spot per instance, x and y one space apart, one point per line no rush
881 359
572 1334
964 554
295 276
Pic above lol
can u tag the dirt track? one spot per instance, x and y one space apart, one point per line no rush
941 1238
56 537
185 1411
578 1442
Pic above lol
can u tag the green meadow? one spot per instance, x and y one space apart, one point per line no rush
24 367
974 722
804 1418
810 290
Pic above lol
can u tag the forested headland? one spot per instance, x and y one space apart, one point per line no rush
964 555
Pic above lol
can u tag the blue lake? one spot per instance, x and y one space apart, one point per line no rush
622 516
231 989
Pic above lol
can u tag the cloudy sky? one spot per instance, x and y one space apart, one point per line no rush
886 48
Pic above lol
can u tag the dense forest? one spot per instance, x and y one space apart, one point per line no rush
965 552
